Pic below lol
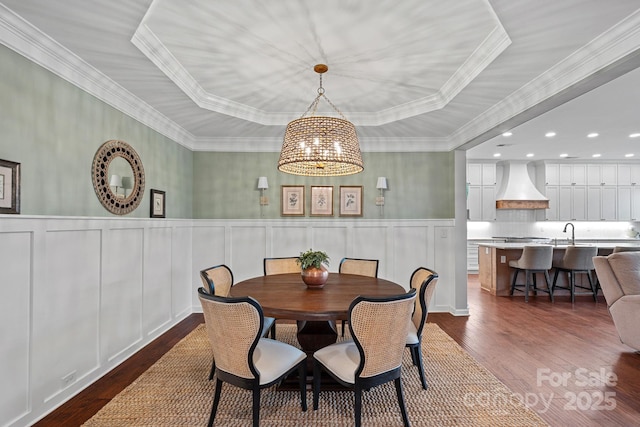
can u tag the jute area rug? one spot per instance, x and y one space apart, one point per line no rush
176 391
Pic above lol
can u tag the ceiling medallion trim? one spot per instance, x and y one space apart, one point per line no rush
107 152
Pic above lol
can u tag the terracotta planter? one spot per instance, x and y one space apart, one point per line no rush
315 278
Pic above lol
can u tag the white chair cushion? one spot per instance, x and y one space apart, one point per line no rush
268 321
273 358
342 359
412 336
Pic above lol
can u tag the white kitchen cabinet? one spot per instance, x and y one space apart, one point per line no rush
602 174
628 174
572 202
628 203
481 196
572 174
602 203
481 202
551 174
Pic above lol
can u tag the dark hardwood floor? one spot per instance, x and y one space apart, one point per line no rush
565 360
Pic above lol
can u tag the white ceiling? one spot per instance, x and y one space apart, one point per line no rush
413 75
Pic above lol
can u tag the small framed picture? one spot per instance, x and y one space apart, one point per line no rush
292 200
321 201
9 187
158 204
351 200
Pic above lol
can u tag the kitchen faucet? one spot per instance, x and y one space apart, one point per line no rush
573 234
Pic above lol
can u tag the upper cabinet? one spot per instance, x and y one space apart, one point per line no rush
481 191
602 174
572 174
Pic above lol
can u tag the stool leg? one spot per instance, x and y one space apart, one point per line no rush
593 286
513 283
535 282
555 279
572 279
549 288
527 277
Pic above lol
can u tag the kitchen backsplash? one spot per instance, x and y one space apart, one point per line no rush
516 226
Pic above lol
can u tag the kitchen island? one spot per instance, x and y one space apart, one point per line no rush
494 272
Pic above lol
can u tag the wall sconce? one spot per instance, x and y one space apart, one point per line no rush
115 181
381 185
263 185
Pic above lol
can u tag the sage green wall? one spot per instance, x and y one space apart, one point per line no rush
54 129
420 185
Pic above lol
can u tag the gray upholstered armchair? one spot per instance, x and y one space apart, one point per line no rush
619 276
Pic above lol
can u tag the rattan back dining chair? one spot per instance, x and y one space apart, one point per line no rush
219 280
379 327
424 281
359 266
243 358
281 265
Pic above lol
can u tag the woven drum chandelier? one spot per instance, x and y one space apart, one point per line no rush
319 145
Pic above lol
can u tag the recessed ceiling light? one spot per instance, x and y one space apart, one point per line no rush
634 135
507 134
497 155
596 155
592 135
564 155
529 154
550 134
629 155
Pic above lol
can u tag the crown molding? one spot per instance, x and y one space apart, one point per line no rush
25 39
612 46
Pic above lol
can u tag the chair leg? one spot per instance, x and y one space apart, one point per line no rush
216 400
316 384
213 370
572 279
357 408
418 354
302 374
534 275
513 283
403 409
344 325
527 278
256 405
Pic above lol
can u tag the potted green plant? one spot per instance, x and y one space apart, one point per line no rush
314 272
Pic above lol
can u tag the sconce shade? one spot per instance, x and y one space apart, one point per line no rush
382 183
263 184
116 181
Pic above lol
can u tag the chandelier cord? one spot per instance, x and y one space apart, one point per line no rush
313 107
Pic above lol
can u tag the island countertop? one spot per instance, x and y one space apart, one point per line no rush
495 274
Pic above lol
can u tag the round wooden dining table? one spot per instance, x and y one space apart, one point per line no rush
285 296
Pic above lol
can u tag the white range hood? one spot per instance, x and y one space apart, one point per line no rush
516 190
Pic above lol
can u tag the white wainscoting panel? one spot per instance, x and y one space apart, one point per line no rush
121 311
157 289
16 253
80 295
65 310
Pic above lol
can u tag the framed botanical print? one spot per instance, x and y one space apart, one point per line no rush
9 187
321 201
158 204
351 200
292 200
